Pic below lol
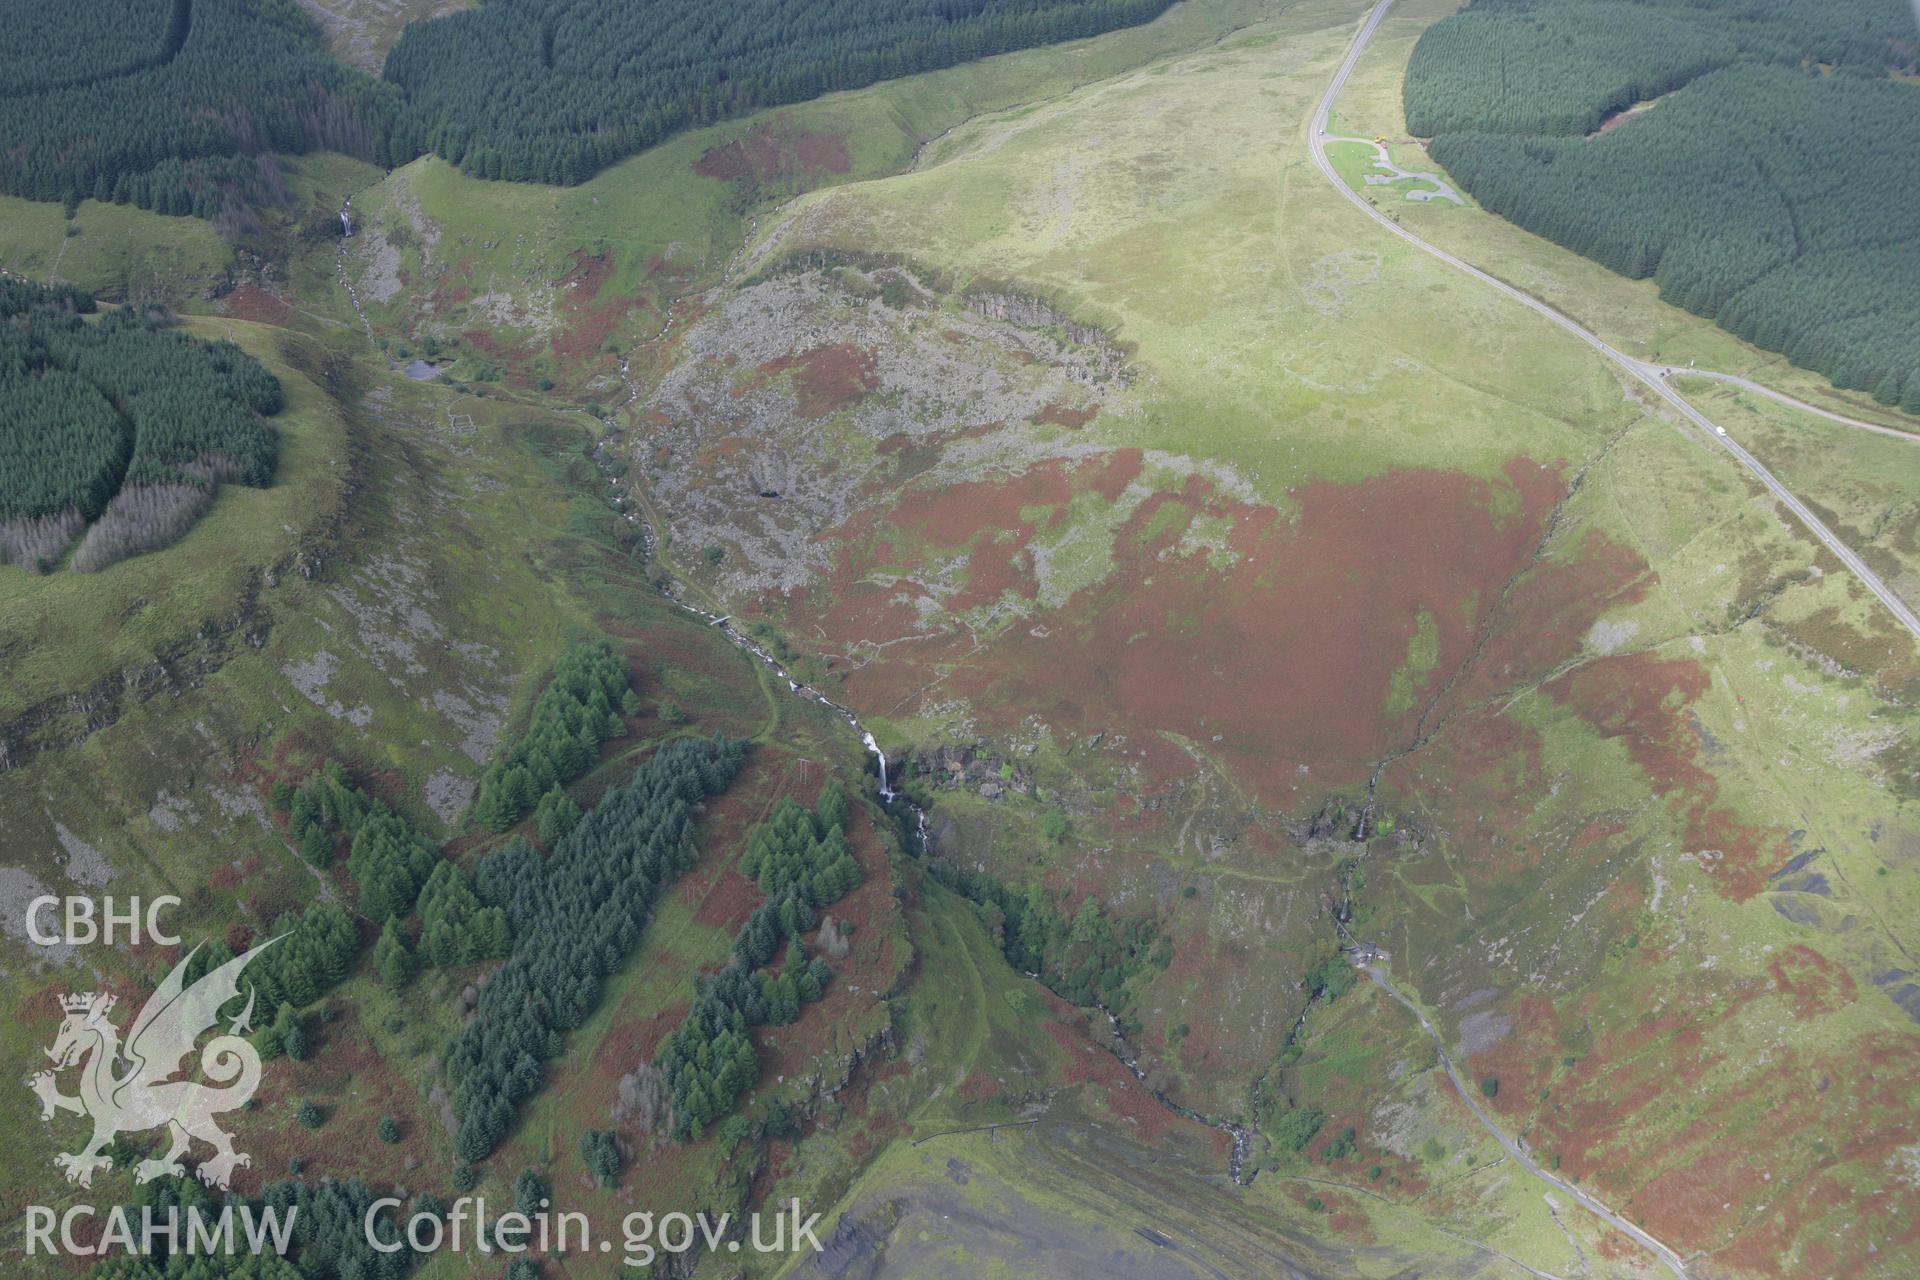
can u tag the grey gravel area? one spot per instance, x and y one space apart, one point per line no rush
18 888
953 395
448 795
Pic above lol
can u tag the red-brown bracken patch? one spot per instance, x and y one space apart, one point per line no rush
1516 1061
1642 699
954 515
728 903
1487 764
250 302
1834 1116
660 268
1346 1218
1277 648
1122 468
1589 1125
354 1087
978 1087
1060 415
765 153
1550 610
1596 830
1088 1063
42 1005
1614 1246
1837 1222
829 378
1813 983
635 1040
588 321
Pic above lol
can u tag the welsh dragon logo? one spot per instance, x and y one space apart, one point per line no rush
141 1096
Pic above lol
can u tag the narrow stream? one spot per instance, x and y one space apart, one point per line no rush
724 623
340 267
616 498
1242 1137
1123 1052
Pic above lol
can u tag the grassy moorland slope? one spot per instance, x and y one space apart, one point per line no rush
1263 509
558 282
111 249
1170 524
390 603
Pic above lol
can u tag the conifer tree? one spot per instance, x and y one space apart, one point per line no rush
1742 192
391 959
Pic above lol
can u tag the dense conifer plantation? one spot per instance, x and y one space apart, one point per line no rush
179 105
575 917
302 957
398 874
167 103
801 861
577 711
1770 187
327 1229
121 421
1562 66
314 953
330 1231
552 90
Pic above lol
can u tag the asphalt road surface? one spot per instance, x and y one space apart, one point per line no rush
1653 376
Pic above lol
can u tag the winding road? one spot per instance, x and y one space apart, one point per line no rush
1748 384
1513 1146
1655 377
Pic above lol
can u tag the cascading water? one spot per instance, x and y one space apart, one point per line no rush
724 623
340 266
886 792
617 499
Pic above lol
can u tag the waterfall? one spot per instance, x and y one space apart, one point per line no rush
886 792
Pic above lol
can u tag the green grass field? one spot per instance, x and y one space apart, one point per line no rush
114 250
1420 542
1669 636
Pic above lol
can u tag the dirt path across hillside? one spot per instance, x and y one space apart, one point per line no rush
1515 1148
